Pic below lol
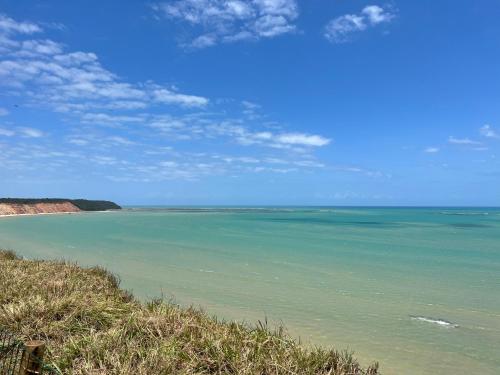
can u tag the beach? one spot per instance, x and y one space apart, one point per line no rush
50 213
41 213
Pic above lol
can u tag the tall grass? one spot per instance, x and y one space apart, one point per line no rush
91 326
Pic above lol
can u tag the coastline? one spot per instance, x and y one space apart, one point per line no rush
55 213
45 213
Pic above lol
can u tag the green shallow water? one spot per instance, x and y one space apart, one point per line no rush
375 280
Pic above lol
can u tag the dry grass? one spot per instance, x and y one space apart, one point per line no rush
91 326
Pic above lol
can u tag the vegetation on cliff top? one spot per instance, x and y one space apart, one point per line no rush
82 204
91 326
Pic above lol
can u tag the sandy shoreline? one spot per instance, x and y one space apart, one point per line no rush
49 213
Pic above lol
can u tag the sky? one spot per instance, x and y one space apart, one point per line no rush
251 102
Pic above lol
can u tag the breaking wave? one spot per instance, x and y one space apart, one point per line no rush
440 322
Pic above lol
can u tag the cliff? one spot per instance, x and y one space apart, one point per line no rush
37 208
20 206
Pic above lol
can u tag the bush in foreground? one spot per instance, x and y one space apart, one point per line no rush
91 326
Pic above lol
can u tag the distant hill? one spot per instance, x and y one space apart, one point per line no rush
82 204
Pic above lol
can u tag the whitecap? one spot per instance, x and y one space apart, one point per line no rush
440 322
453 213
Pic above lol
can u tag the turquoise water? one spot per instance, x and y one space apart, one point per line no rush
416 289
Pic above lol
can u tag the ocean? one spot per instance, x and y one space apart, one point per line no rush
416 289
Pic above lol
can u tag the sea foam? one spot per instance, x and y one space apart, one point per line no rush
440 322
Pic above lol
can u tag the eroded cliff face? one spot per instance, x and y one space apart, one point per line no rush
36 208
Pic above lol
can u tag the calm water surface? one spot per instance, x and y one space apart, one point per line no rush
415 289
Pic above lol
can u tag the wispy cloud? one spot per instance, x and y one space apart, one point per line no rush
8 25
360 170
302 139
247 137
204 126
6 132
223 21
341 29
3 112
107 119
462 141
431 150
250 109
73 81
127 131
488 132
30 132
167 96
122 141
160 164
78 141
21 131
33 48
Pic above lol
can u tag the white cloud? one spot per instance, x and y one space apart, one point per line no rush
120 140
99 140
171 97
302 139
203 41
45 47
199 126
86 84
8 25
105 160
105 119
462 141
377 14
488 131
159 164
270 25
251 110
30 132
168 164
167 124
309 163
250 105
78 141
75 85
76 58
22 131
3 112
340 29
431 150
75 81
366 172
6 132
247 137
278 7
232 20
273 170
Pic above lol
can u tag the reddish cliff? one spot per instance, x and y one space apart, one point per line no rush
36 208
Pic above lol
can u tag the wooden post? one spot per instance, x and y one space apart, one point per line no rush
31 363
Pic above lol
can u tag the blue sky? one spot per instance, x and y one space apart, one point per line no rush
251 102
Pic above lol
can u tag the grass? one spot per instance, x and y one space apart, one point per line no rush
91 326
